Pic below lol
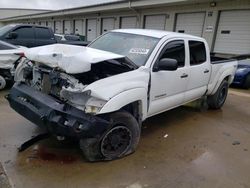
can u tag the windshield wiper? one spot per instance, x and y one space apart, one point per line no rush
130 63
127 62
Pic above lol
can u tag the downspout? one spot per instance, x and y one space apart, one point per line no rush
134 10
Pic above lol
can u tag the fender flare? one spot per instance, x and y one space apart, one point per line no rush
126 97
214 87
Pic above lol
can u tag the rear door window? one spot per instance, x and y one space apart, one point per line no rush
197 52
42 33
25 33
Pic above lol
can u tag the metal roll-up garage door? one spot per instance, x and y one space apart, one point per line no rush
128 22
80 27
58 27
68 27
108 24
190 23
42 23
91 29
233 33
51 25
155 22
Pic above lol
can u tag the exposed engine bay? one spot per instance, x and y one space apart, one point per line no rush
69 87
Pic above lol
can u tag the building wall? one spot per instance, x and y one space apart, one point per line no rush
6 12
209 29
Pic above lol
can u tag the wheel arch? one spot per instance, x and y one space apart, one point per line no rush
228 77
134 101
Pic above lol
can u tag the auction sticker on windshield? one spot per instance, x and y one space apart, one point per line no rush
142 51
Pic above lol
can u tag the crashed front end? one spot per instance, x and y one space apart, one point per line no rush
59 118
56 100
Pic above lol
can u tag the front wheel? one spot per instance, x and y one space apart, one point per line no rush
217 100
120 140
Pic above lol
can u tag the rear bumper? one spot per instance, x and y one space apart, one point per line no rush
57 117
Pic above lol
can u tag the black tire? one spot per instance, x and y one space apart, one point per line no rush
2 82
217 100
120 140
246 84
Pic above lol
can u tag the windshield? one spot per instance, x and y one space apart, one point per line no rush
5 29
136 47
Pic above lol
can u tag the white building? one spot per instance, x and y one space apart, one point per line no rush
225 24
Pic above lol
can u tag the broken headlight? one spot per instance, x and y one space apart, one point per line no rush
82 100
94 105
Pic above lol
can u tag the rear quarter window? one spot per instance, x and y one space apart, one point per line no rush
197 52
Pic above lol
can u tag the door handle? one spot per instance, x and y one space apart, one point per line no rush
206 71
184 75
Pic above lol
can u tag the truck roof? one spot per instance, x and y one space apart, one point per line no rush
155 33
33 25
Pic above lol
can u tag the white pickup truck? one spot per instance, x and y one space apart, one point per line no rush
101 94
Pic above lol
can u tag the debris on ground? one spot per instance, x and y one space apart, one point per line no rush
166 135
236 143
4 182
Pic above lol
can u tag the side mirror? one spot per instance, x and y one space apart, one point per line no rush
166 64
12 35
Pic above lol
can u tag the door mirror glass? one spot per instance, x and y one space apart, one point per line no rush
12 35
166 64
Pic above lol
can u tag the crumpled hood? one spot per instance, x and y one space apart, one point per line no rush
72 59
9 57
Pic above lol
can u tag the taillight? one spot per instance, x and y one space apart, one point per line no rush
21 54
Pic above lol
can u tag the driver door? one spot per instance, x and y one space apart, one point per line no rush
168 87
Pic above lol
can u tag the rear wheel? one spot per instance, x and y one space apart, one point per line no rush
2 83
246 83
120 140
217 100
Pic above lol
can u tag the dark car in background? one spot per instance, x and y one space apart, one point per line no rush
74 39
32 36
242 76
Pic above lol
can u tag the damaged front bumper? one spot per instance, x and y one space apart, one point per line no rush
59 118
